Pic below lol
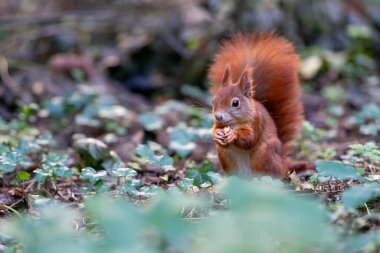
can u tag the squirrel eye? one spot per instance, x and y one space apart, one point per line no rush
235 103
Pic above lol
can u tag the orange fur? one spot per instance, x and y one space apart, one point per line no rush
261 71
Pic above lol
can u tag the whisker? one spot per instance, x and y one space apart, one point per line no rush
200 106
209 111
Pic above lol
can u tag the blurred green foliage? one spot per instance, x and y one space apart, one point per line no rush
256 219
164 194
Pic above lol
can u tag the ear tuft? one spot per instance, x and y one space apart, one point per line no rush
245 82
227 75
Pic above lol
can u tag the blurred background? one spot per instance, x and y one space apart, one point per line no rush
110 96
144 52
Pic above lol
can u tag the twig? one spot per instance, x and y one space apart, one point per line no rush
11 209
368 211
30 185
8 80
17 202
62 196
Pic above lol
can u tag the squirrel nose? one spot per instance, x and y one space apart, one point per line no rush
218 116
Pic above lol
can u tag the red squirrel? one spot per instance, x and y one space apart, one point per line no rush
256 106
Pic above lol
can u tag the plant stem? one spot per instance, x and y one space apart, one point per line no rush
11 209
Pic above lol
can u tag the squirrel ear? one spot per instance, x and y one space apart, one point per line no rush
227 75
245 83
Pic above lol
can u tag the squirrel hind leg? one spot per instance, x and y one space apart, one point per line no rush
268 160
225 160
300 167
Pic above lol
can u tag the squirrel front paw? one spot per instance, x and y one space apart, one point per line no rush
219 136
230 136
224 136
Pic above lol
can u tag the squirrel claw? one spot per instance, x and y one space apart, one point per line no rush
219 137
230 137
220 142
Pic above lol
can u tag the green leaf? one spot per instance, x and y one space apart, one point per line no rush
186 183
367 242
144 152
370 150
215 178
161 160
148 191
63 171
41 175
369 129
337 170
102 188
23 175
206 167
10 159
181 134
200 175
128 187
45 139
150 121
183 150
358 195
91 175
195 176
181 139
124 172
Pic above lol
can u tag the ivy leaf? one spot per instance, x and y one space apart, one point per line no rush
91 175
128 187
42 175
337 170
183 150
357 195
200 175
45 139
369 129
206 167
23 175
102 188
124 172
181 140
186 183
150 121
370 150
215 178
9 160
161 160
63 171
144 152
53 164
181 134
148 191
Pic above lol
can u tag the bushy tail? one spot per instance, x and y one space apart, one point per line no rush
275 76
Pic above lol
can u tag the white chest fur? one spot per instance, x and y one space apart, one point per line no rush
241 159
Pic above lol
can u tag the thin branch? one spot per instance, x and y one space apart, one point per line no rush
5 76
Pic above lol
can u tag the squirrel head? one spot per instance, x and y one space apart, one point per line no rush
233 102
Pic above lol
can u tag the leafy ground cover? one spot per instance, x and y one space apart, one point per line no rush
86 165
164 190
